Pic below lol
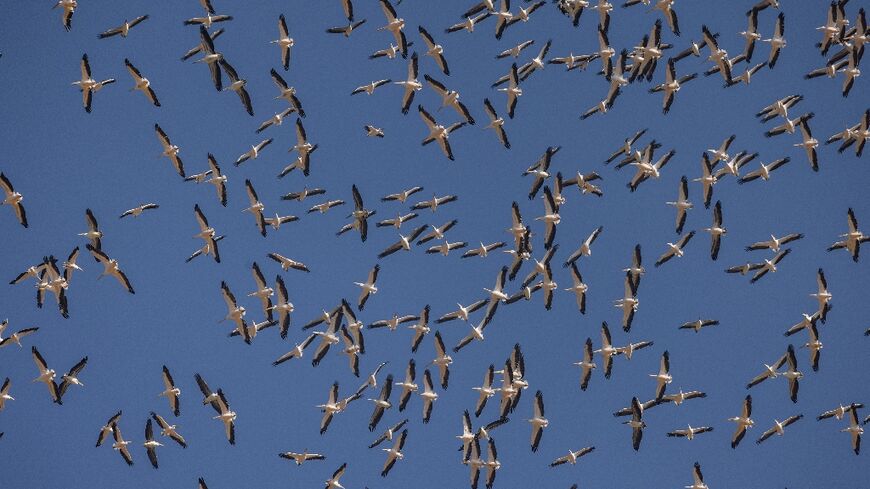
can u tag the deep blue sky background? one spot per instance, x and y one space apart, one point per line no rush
64 160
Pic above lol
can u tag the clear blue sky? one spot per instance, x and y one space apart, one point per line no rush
64 161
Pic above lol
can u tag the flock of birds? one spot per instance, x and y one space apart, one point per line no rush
342 332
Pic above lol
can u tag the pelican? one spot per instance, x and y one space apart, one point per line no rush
429 396
13 198
790 125
373 132
142 83
226 416
4 393
503 16
585 248
438 132
207 233
663 378
411 84
346 30
408 387
371 87
435 50
394 453
483 250
743 421
121 445
94 235
107 428
167 429
717 230
88 85
681 397
368 288
855 430
213 176
449 98
777 42
491 464
301 458
71 377
551 218
779 108
746 76
151 444
69 8
770 372
823 296
675 249
333 482
263 292
774 244
124 29
256 208
840 411
171 392
769 265
135 212
237 85
469 22
717 54
572 456
209 19
46 375
851 72
607 351
778 427
209 396
536 64
792 374
303 147
211 57
16 336
671 85
853 238
698 324
325 206
235 312
579 288
389 53
751 35
296 352
587 364
442 360
110 267
306 192
445 247
382 403
275 120
401 196
496 295
287 92
513 90
690 432
199 47
170 150
637 424
516 50
284 41
394 321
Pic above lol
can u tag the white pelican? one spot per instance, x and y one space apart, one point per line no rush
287 263
777 42
778 427
770 372
325 206
442 360
792 374
483 250
734 164
170 150
371 87
397 221
301 458
263 292
681 397
769 265
779 108
207 233
671 85
855 430
389 53
675 249
587 364
840 411
690 432
107 428
429 396
551 218
717 230
13 198
93 234
135 212
46 375
226 416
697 476
151 444
306 192
142 83
469 23
823 296
235 312
4 393
121 445
538 421
411 84
438 132
646 168
445 247
408 387
746 76
209 396
123 29
88 85
283 306
851 72
110 267
751 35
198 48
496 123
516 50
815 346
71 377
774 244
585 248
237 85
503 16
572 456
328 337
404 242
209 19
536 64
297 351
169 430
607 351
288 93
368 288
275 120
435 50
211 57
373 132
256 208
717 54
382 403
513 90
333 482
213 176
790 125
450 98
853 238
698 324
579 288
663 378
69 8
394 453
284 41
14 337
346 30
171 392
626 148
637 424
743 421
395 25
